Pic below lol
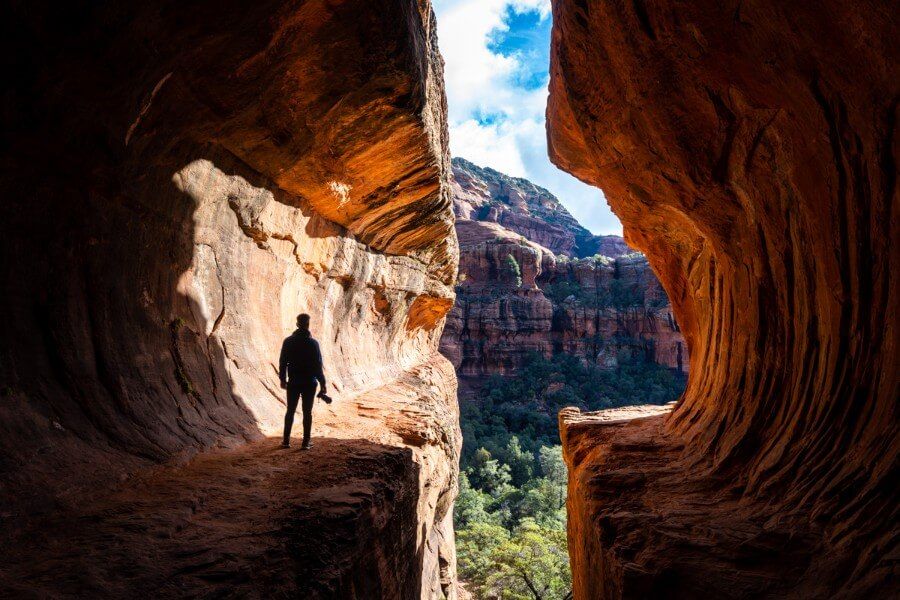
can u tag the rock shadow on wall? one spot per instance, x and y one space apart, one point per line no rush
115 365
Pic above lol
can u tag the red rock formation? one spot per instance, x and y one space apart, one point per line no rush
184 180
616 304
750 149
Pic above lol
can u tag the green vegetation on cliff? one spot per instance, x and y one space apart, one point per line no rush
526 405
619 294
512 267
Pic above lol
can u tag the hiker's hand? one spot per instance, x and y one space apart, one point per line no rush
283 385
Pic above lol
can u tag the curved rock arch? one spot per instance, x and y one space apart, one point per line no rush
750 150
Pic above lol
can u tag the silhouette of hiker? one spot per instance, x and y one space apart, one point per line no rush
299 367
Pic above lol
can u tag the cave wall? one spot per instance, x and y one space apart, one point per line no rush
750 150
182 180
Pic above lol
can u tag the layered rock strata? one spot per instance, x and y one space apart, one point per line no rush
516 296
750 150
183 181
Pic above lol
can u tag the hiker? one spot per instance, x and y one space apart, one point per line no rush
299 368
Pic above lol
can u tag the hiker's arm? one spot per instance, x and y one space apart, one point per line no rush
282 365
320 372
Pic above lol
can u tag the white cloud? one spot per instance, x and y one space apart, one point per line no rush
494 122
492 146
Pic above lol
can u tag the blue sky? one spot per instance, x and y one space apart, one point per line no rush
497 55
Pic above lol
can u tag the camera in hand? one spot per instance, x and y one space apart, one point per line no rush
325 397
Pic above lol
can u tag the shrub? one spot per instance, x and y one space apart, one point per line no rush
511 266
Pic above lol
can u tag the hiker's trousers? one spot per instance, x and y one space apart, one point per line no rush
307 392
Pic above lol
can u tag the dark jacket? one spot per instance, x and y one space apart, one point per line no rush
301 360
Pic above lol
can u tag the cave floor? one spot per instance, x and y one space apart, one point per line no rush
249 522
355 516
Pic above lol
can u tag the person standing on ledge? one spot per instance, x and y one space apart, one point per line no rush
300 367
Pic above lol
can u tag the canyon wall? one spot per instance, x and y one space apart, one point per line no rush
182 181
750 150
602 307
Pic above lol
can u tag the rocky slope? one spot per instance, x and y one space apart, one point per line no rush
485 195
750 149
182 181
523 288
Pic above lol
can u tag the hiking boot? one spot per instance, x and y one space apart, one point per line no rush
286 444
306 445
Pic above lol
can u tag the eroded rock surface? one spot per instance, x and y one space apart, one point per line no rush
601 308
183 181
750 150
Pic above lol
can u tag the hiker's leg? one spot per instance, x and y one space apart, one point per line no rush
293 395
309 396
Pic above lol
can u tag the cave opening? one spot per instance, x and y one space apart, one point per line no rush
553 308
716 164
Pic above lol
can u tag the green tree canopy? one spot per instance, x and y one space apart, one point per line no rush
520 461
533 564
489 475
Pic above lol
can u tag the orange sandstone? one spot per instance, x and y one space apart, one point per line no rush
750 149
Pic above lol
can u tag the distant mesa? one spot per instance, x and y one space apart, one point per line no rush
533 279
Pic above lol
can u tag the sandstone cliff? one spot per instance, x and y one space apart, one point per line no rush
183 180
523 289
750 150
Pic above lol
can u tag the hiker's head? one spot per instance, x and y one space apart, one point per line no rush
303 321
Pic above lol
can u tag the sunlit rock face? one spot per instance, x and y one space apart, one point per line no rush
185 180
750 150
501 316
